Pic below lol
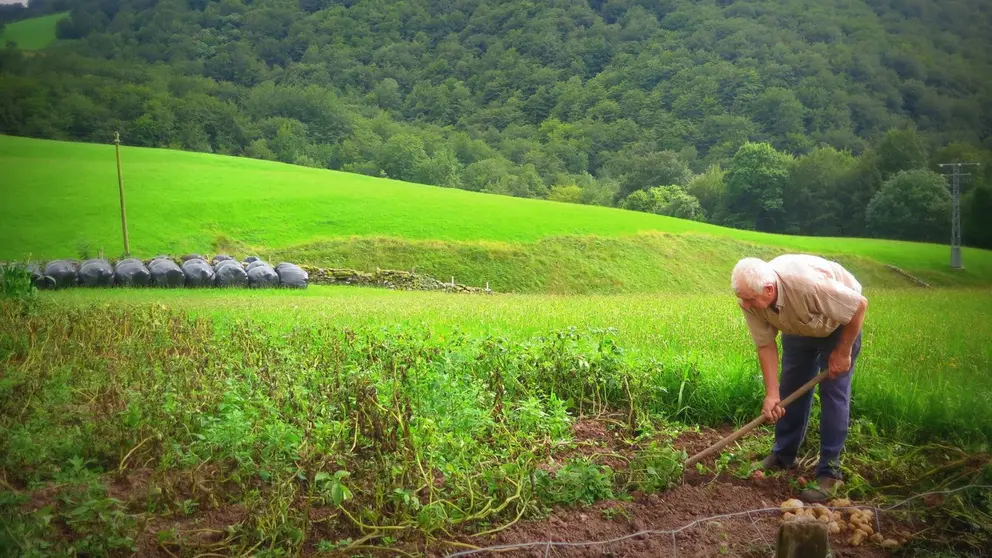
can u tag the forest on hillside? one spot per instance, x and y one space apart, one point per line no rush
817 118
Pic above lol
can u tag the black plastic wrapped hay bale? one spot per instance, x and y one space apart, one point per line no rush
221 258
229 273
165 273
261 275
292 276
45 282
132 273
38 277
63 272
95 273
198 273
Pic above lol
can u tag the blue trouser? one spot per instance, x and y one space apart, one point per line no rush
802 359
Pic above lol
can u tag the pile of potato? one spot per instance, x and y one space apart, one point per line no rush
859 523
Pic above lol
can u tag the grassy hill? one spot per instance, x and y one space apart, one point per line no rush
32 34
59 199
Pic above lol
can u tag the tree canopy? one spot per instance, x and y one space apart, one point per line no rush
779 115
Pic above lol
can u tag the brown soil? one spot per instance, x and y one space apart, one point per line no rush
682 509
598 440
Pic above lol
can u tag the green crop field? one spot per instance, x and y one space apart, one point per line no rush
32 34
60 199
352 419
917 377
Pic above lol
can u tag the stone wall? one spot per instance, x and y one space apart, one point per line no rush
919 282
386 278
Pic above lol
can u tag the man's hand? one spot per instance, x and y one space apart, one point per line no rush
771 409
839 362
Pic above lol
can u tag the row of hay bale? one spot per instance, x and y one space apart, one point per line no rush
191 271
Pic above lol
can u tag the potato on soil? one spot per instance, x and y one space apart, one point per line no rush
792 505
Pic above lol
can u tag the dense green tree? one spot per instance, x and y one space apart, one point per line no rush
154 128
976 210
912 205
639 200
440 169
675 202
813 205
568 194
287 138
484 175
637 169
669 200
782 117
709 189
755 180
402 157
901 150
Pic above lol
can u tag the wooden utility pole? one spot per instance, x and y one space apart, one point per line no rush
803 539
120 186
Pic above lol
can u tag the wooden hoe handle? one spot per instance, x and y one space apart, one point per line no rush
756 422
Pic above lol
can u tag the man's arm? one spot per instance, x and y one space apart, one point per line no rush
768 357
764 336
853 327
839 361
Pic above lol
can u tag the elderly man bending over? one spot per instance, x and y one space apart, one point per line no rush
818 307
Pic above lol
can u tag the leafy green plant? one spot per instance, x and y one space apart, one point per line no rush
100 523
540 418
16 282
579 481
332 488
31 534
657 468
613 512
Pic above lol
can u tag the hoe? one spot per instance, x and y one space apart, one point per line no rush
754 423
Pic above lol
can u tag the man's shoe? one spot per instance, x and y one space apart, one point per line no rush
826 489
772 463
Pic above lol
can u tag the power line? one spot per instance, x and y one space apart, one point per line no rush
956 211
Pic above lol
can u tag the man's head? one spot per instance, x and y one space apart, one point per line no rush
754 283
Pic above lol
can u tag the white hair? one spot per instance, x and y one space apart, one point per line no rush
752 273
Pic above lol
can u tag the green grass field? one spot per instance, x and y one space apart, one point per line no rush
59 199
32 34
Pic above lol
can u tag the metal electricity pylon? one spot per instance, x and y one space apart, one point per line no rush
956 211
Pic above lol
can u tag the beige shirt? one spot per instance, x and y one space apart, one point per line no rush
815 296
